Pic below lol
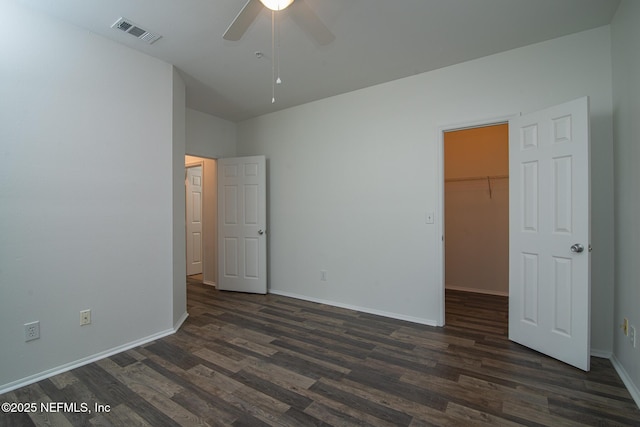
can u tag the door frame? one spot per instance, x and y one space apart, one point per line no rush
201 160
440 248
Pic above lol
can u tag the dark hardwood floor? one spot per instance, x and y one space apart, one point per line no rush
256 360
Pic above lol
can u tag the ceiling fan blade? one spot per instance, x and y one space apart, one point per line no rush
241 22
307 19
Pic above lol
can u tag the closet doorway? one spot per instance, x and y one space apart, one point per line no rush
476 210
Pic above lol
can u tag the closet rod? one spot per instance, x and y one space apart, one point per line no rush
477 178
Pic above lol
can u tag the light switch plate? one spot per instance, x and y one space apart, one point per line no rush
429 218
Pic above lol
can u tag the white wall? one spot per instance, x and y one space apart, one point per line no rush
477 236
179 303
86 203
351 177
626 95
210 136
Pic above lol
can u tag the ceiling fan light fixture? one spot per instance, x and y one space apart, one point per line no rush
276 4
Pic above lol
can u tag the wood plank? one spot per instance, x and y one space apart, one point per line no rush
476 417
120 415
286 395
279 375
33 394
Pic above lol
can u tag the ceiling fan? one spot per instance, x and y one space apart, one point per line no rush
301 13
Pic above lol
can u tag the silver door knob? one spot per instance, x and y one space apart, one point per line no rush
577 248
261 232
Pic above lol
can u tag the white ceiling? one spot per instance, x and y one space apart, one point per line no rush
375 41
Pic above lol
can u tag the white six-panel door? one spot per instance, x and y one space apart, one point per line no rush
549 232
194 220
242 240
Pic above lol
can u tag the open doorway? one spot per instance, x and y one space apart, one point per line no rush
476 215
201 206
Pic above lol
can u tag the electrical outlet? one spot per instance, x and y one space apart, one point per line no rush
625 326
31 331
632 335
85 317
323 275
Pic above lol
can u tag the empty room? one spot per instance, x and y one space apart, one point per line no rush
233 212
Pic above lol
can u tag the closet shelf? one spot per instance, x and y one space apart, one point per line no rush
487 178
477 178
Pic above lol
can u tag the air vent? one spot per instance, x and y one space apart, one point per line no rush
127 26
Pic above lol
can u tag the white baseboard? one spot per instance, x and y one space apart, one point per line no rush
5 388
626 379
412 319
180 321
603 354
209 283
477 291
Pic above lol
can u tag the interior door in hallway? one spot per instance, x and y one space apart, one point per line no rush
549 232
194 219
242 239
